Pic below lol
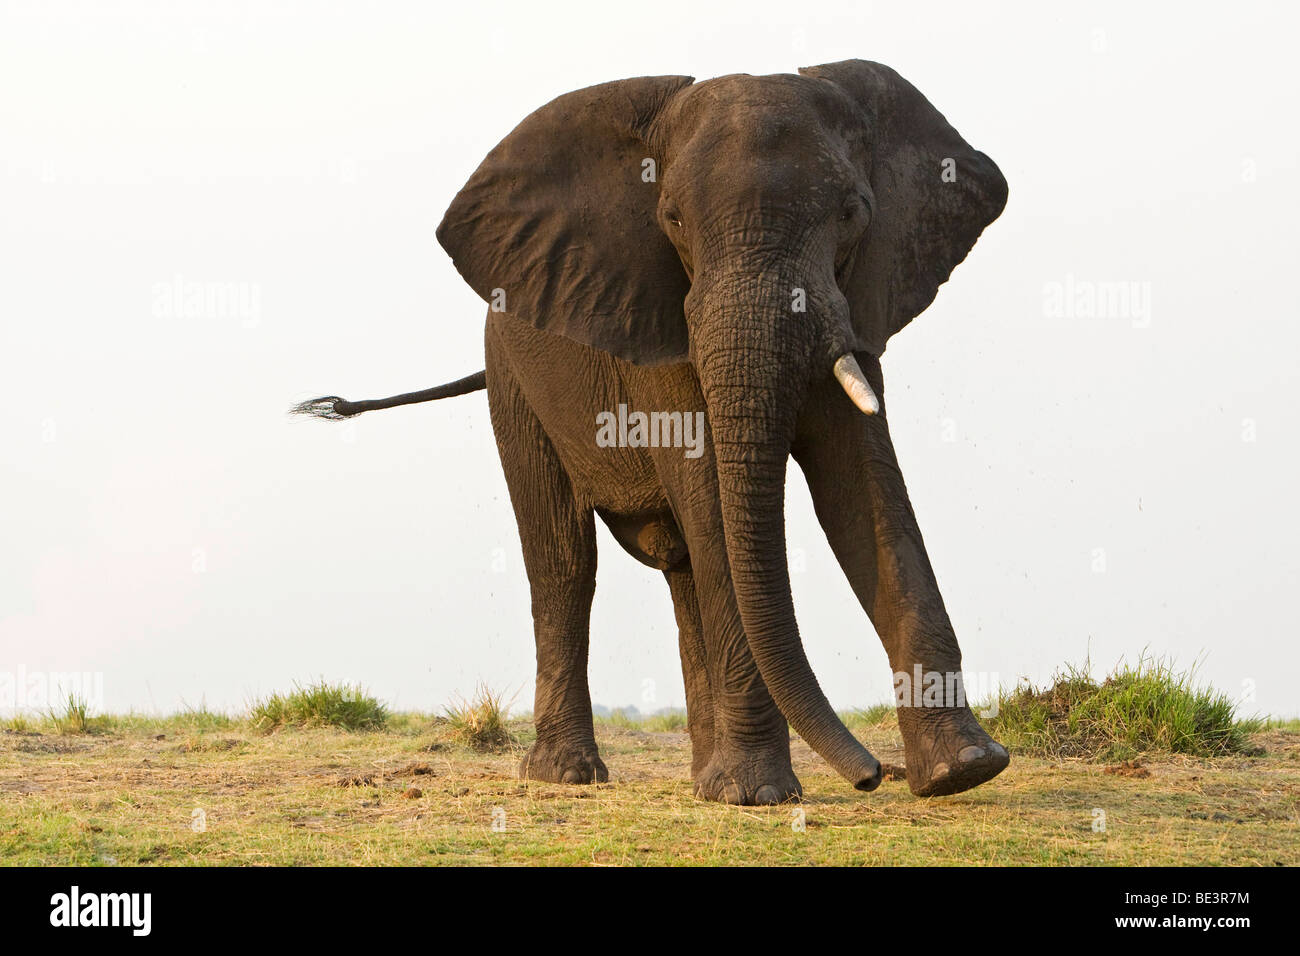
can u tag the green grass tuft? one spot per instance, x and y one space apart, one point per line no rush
482 723
1142 708
319 704
74 717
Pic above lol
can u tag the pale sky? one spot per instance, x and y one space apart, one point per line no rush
1087 484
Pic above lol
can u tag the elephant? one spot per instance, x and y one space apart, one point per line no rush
739 249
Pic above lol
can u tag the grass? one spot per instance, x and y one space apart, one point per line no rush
482 722
1144 708
867 718
664 721
198 719
317 795
342 781
74 716
18 724
621 718
319 705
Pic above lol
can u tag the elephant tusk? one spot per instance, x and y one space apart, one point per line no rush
849 374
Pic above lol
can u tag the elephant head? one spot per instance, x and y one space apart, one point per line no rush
774 231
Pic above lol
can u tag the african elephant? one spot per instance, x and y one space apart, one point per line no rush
742 247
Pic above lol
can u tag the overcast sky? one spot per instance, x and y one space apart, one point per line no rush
1091 481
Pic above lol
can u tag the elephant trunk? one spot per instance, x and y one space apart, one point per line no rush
754 370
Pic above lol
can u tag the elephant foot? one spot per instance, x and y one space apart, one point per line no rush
947 750
747 779
562 762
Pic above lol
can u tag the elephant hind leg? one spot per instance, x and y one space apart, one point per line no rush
695 668
558 537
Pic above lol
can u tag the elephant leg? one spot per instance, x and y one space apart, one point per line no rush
695 671
559 544
863 506
750 758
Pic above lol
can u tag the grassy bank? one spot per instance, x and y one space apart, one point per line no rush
200 789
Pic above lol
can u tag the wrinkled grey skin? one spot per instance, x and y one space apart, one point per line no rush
677 292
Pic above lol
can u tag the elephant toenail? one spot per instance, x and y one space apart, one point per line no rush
572 776
767 794
970 753
733 793
939 772
999 750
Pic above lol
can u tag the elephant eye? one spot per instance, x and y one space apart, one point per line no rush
675 219
851 208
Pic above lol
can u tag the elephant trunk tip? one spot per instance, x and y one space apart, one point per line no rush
869 777
330 407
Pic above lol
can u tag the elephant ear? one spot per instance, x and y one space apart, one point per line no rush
557 226
934 195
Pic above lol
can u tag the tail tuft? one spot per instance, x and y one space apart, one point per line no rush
330 407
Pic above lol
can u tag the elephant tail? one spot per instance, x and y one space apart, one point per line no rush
337 409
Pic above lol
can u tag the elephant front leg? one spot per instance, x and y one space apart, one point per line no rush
748 761
863 506
742 754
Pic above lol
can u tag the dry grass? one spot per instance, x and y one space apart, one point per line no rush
409 794
483 722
